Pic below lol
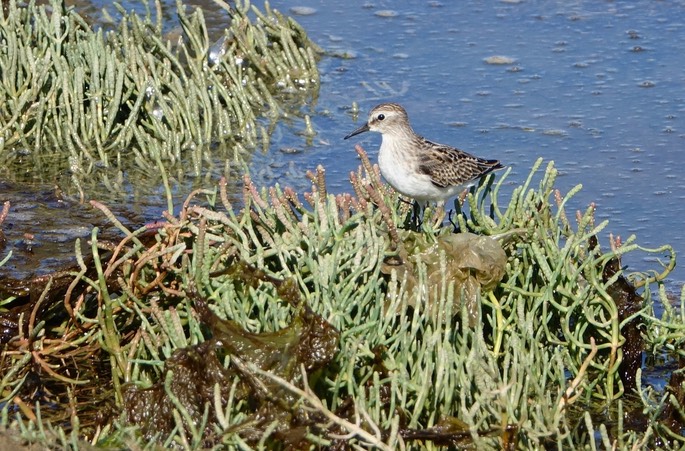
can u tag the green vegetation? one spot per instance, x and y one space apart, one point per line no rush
98 104
287 324
298 320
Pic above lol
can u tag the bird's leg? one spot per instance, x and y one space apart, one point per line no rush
453 214
417 216
454 224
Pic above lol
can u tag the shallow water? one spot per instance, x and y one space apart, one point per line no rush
595 86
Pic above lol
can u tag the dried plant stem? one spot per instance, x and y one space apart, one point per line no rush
355 430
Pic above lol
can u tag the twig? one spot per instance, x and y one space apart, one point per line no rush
355 429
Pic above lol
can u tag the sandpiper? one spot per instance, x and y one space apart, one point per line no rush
418 168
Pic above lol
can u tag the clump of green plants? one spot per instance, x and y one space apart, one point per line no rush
100 103
305 320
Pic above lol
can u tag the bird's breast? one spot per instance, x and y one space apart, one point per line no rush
399 167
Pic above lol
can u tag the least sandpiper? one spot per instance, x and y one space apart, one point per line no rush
418 168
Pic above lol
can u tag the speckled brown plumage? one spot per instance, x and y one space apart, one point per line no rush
449 166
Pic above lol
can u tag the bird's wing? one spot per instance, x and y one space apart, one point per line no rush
448 166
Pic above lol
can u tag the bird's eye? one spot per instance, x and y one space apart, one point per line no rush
381 117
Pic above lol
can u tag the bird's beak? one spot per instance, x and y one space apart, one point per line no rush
362 129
